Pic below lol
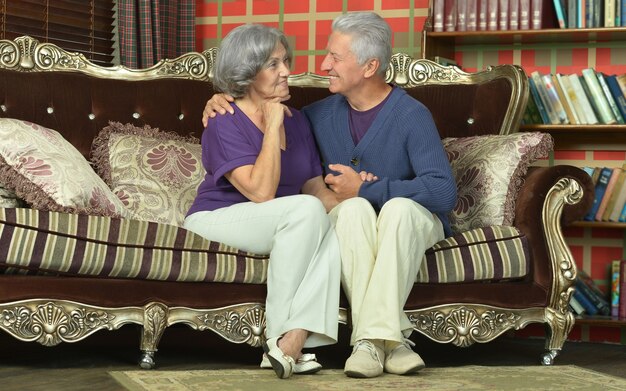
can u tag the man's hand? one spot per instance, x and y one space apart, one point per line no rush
347 184
219 103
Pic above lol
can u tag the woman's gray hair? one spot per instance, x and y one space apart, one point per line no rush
242 54
371 37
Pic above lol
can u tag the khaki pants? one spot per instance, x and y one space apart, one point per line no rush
303 276
380 258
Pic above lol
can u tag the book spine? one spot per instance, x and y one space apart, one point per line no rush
620 99
597 96
581 96
622 215
503 15
621 81
607 193
601 305
438 6
533 112
615 277
449 15
577 308
622 21
536 10
609 98
600 189
560 15
545 99
609 13
535 95
571 13
565 89
618 193
581 17
513 14
524 14
461 15
482 15
555 101
472 15
590 309
622 289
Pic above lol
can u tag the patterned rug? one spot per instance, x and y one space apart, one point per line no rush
468 378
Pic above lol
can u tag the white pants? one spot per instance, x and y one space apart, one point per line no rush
303 277
380 258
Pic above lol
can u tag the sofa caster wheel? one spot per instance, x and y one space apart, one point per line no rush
548 358
147 360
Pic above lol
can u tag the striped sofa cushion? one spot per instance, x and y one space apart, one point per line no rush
481 254
39 242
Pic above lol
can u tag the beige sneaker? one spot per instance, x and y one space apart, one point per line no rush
402 360
366 360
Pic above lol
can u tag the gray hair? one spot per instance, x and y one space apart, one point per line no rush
371 37
241 57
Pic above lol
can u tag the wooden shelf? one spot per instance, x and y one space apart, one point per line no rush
583 137
598 224
600 321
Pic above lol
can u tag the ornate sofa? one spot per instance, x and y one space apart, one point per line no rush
65 276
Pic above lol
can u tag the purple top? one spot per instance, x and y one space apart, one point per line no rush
231 141
360 121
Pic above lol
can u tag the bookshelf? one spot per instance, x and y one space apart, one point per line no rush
566 137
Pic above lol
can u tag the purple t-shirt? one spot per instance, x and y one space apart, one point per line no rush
360 121
231 141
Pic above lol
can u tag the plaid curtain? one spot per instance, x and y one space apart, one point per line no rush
151 30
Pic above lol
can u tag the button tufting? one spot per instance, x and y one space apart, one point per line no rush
4 108
470 121
181 116
136 115
50 110
92 116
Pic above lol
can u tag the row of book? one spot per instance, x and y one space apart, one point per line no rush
492 15
589 299
609 203
587 99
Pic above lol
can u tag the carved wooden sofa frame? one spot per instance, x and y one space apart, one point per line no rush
50 309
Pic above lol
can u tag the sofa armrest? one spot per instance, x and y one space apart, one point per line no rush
550 198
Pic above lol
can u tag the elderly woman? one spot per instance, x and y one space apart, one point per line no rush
264 193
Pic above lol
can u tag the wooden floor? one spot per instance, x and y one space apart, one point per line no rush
85 365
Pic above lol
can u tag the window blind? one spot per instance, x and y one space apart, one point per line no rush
84 26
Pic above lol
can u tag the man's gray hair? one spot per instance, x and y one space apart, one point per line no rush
371 37
242 54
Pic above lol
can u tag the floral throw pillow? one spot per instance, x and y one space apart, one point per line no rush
154 173
489 172
46 171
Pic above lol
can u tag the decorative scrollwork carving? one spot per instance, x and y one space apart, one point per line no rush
240 324
51 323
464 326
398 70
155 322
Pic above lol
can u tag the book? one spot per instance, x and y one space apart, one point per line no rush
482 15
622 289
536 12
438 15
609 13
618 95
615 277
589 307
583 101
492 15
609 98
618 198
589 288
570 97
572 10
600 189
576 307
461 15
597 98
555 101
560 13
532 111
524 14
538 102
546 100
608 192
621 81
472 15
513 14
503 14
601 305
572 118
449 15
622 215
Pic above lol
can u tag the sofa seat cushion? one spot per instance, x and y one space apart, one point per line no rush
482 254
52 243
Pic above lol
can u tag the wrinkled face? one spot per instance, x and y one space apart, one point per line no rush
341 65
271 81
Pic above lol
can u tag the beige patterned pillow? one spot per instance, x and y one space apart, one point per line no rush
489 172
154 173
47 172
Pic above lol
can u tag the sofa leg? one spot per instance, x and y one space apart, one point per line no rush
154 324
548 357
559 325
